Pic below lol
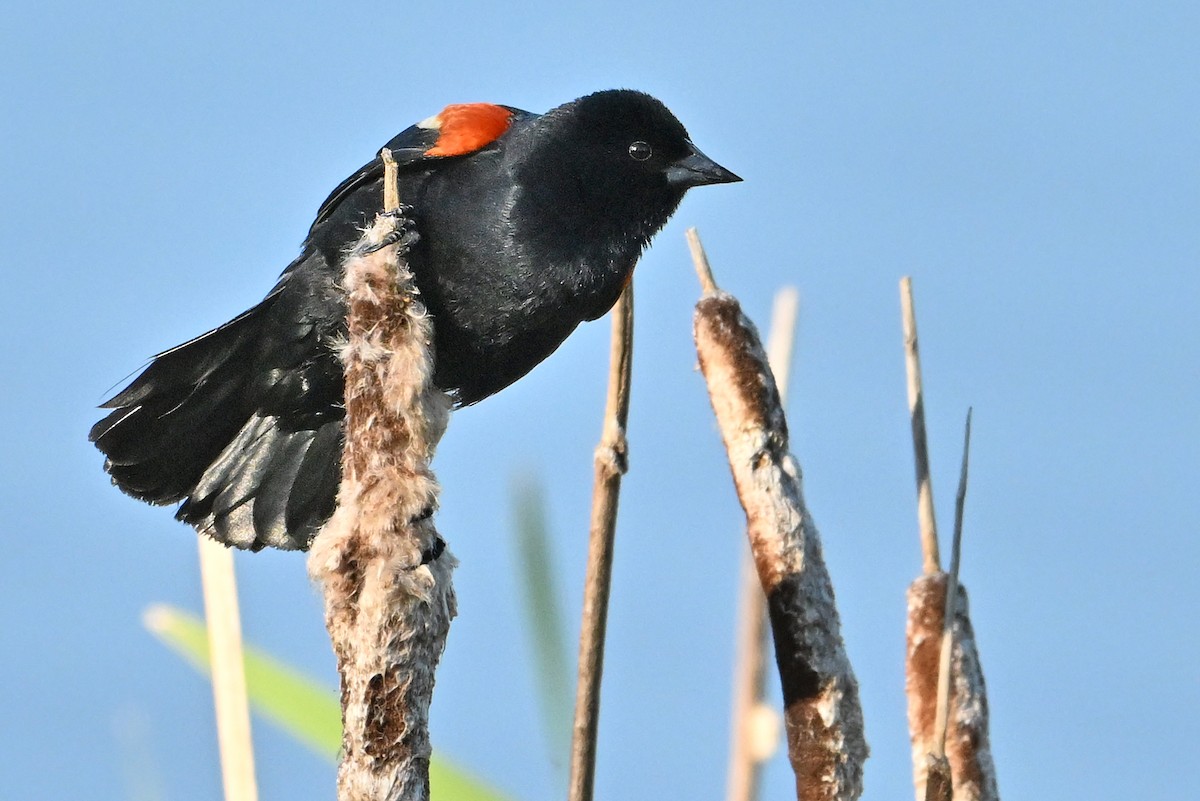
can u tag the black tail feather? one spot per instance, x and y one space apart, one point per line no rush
243 424
314 490
168 425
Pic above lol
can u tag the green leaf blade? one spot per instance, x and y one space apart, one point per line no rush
301 706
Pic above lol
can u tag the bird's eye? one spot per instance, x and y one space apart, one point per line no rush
640 151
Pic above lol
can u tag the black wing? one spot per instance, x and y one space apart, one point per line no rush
244 423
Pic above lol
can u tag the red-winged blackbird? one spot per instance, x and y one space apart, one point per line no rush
529 224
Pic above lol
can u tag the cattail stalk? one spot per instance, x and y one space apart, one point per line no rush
228 673
967 746
384 570
916 411
822 714
755 729
947 697
611 462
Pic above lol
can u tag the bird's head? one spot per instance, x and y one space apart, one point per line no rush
636 139
619 157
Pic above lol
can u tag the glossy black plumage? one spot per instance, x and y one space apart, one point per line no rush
520 241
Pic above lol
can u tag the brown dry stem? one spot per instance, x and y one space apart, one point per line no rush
700 260
822 713
916 411
943 689
611 462
385 573
228 672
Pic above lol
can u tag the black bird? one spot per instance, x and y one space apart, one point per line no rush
529 224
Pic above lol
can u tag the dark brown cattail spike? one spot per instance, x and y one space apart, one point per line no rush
384 570
822 713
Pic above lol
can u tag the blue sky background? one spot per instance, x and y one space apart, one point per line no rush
1036 170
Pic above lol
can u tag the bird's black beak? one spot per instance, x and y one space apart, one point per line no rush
697 169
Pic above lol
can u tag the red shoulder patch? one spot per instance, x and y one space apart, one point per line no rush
466 127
